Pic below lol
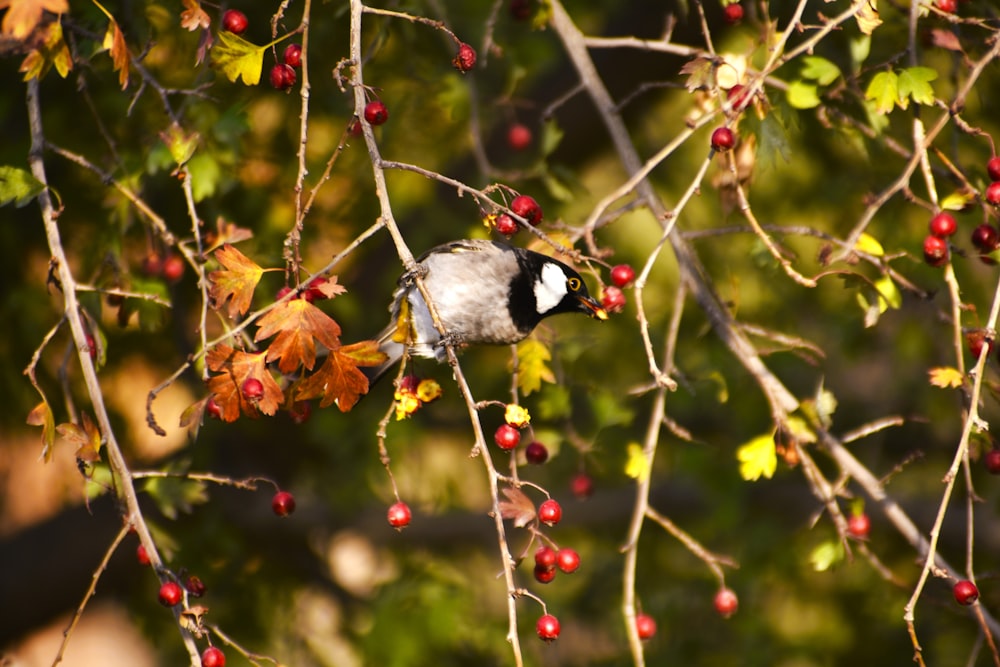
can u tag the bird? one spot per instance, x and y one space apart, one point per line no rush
484 292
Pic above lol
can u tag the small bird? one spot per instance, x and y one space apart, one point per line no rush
484 292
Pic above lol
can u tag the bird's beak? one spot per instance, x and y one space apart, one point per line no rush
593 308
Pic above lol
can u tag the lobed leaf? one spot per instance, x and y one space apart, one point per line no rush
238 58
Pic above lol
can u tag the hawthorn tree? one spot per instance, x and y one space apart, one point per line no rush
777 449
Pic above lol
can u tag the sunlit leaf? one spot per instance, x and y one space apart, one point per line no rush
114 41
18 186
636 462
883 90
758 458
181 144
194 17
41 415
869 244
802 95
946 377
23 15
914 84
532 366
49 51
826 555
820 70
236 282
238 58
338 381
231 369
868 18
297 324
958 201
517 506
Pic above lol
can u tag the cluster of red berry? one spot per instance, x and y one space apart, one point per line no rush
985 237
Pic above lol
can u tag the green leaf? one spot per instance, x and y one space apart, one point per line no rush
883 91
610 409
532 365
802 95
18 186
554 402
914 84
552 136
773 139
758 458
826 555
205 175
238 58
820 70
860 48
174 494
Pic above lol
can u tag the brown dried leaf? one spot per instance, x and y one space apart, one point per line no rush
338 381
233 368
298 324
237 282
86 437
518 506
114 41
41 415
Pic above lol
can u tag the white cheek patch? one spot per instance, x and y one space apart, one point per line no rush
550 288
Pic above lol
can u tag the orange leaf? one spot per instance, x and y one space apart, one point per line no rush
115 41
23 15
238 281
85 437
338 381
41 415
194 17
297 323
327 287
364 353
233 368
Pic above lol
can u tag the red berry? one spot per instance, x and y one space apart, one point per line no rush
733 13
507 436
613 299
173 268
213 657
518 137
993 168
723 138
505 224
859 525
545 557
170 594
949 6
622 275
465 59
92 347
547 627
985 237
975 339
992 461
282 76
142 555
283 503
195 586
253 389
943 225
737 96
527 208
993 193
726 602
521 10
152 265
293 55
536 453
935 251
568 560
399 515
549 512
235 21
965 592
645 626
582 486
544 575
300 412
376 113
355 127
213 409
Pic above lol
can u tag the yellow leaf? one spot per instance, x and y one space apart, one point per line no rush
532 356
799 430
868 18
51 50
826 555
636 464
238 58
757 458
517 415
957 201
23 15
945 377
868 245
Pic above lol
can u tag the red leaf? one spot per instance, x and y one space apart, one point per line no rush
233 368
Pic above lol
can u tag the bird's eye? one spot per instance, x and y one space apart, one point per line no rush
574 283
